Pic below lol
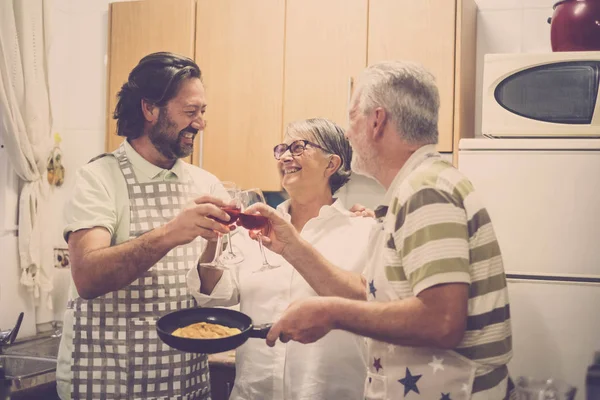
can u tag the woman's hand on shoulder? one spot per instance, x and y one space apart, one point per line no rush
358 210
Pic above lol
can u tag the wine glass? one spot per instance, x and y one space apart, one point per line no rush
230 256
231 195
255 222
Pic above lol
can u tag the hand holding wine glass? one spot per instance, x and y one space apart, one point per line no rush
197 219
230 195
278 234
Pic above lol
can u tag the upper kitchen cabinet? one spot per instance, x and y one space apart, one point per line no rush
239 47
325 49
137 29
440 34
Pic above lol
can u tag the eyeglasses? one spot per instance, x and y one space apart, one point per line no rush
296 148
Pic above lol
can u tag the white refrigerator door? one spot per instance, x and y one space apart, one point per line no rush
543 197
556 329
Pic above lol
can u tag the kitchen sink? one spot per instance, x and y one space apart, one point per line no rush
24 371
20 367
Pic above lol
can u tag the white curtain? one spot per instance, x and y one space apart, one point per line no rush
25 124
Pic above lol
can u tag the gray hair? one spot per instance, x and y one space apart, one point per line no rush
331 137
409 95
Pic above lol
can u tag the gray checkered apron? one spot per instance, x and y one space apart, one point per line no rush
117 353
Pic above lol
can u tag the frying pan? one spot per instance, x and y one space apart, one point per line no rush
168 323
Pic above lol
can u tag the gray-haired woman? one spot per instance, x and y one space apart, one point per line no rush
313 162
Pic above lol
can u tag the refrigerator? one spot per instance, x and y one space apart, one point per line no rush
543 197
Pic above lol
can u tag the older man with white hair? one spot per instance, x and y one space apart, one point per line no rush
437 317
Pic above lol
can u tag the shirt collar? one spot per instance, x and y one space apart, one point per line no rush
410 165
327 210
150 170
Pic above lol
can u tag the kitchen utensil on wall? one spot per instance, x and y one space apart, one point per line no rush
575 25
167 324
55 169
61 258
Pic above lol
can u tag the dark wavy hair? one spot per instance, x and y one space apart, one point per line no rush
156 79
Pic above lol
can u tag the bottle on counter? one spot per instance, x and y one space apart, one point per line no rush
592 380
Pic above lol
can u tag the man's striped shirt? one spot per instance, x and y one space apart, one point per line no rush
443 234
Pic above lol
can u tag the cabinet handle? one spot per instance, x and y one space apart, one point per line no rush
228 388
350 87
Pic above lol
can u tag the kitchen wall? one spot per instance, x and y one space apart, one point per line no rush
14 298
78 84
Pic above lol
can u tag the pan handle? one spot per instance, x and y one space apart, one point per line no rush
260 331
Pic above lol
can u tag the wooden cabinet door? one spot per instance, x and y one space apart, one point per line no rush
239 48
325 48
422 31
137 29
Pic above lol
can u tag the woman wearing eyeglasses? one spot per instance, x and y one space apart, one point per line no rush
314 163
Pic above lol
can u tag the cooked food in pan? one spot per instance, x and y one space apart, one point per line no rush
205 330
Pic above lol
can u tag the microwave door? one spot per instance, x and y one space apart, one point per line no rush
561 93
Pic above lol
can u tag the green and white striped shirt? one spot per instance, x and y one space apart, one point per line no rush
443 234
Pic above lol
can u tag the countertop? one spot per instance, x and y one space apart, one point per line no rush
45 346
226 359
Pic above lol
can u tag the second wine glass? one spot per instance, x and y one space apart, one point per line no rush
231 195
230 256
255 222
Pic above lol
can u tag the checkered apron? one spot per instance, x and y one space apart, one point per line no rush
117 353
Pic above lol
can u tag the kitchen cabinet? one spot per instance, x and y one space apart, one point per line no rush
440 34
266 63
137 29
325 49
239 47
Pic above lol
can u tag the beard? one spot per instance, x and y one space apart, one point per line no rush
361 165
168 141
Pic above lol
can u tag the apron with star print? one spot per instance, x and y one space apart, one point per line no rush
402 372
116 351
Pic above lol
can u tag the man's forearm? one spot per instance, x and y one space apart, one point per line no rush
405 322
113 268
325 278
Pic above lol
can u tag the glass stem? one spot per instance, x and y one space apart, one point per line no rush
229 245
262 250
218 249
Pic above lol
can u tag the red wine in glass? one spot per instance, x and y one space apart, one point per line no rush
253 222
233 213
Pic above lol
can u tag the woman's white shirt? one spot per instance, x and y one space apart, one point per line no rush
333 367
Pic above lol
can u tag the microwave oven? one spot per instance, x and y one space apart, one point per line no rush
541 95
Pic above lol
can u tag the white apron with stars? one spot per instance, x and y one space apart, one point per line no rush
116 351
401 372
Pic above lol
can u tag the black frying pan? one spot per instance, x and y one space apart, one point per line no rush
168 323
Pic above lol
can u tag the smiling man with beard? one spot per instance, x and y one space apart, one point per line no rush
132 238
